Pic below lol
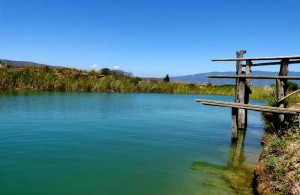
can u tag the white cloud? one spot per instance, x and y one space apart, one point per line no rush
116 67
94 66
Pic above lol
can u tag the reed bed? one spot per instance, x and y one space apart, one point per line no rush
66 79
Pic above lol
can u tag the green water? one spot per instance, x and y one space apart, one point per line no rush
99 143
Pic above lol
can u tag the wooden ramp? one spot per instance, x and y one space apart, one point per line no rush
250 107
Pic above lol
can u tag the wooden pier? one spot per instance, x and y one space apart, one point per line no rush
243 90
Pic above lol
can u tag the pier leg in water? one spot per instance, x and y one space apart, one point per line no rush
240 91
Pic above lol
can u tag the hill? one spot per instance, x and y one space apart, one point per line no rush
24 63
201 78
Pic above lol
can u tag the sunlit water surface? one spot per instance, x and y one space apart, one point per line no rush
100 143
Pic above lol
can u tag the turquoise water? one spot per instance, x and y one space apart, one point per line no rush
99 143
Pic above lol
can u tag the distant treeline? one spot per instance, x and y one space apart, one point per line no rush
106 80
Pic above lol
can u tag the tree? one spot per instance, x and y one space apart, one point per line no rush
166 79
105 71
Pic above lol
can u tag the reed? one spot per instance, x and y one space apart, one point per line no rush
67 79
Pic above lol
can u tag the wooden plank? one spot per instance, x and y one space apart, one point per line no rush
256 58
247 105
254 77
250 107
293 93
264 64
254 109
273 63
294 62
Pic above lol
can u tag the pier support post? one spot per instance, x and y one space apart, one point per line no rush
247 89
281 85
240 91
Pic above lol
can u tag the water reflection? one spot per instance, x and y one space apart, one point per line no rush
233 178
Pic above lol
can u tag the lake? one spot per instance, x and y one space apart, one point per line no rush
101 143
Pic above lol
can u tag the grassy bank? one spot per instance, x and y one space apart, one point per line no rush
278 170
67 79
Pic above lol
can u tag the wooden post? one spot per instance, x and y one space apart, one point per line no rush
240 91
281 85
247 89
234 127
247 82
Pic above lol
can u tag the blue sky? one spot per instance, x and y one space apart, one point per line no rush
148 38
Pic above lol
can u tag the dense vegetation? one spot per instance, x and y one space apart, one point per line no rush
67 79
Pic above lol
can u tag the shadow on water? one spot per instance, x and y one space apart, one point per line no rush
233 178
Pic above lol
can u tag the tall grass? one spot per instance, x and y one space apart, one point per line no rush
66 79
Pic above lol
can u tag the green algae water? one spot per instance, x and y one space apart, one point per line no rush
99 143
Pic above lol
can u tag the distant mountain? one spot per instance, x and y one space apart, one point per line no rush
202 78
24 63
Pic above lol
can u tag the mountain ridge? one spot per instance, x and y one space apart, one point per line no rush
202 78
25 63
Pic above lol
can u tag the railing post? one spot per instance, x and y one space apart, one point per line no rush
281 85
240 91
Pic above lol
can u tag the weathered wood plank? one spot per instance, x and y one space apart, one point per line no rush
249 106
293 93
254 109
273 63
254 77
257 58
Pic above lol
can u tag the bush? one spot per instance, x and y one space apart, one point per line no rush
292 86
167 78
